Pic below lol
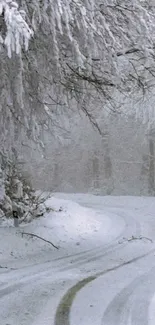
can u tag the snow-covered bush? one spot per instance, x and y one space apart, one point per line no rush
16 193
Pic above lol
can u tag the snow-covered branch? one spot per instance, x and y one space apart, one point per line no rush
98 41
18 32
87 35
82 50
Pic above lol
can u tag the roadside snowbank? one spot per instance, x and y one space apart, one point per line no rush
66 225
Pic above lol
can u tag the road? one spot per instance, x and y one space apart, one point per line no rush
111 282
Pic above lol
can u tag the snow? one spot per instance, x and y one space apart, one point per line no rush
103 272
18 32
152 311
72 225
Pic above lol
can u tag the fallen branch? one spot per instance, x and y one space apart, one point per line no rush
135 238
33 235
139 238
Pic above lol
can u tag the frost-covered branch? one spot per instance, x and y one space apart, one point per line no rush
93 43
18 32
90 37
85 33
82 51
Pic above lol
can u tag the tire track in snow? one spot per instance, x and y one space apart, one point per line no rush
31 273
62 316
81 260
131 305
130 227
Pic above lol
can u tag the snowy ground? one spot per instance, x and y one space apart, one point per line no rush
102 274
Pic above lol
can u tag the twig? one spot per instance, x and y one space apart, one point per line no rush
139 238
33 235
135 238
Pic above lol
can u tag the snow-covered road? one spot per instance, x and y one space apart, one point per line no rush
103 273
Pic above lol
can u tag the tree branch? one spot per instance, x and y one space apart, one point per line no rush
33 235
